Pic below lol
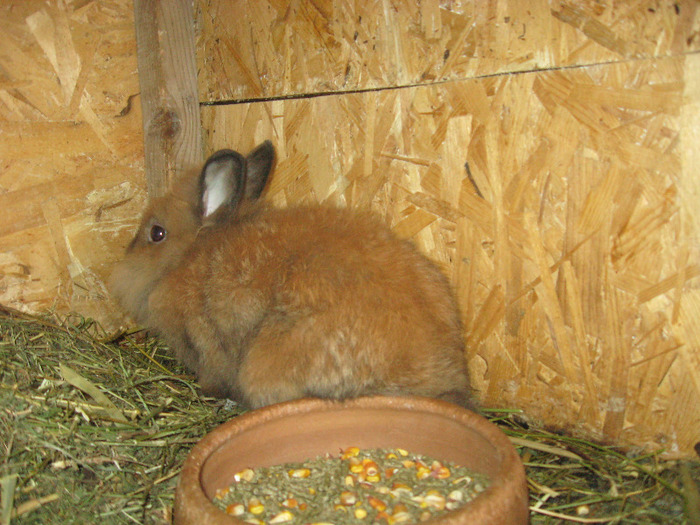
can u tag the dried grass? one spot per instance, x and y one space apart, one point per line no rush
74 458
93 429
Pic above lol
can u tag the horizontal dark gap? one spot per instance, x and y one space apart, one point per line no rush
301 96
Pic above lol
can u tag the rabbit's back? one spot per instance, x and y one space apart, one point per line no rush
328 302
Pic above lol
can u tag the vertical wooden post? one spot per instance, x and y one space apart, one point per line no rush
167 67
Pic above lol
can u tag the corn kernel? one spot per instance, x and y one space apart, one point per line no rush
350 452
312 491
371 468
376 503
282 517
439 471
360 513
434 499
408 463
423 472
400 488
391 455
442 473
244 475
299 473
221 493
302 506
255 506
290 503
400 513
235 509
348 498
388 472
356 469
349 481
455 495
402 452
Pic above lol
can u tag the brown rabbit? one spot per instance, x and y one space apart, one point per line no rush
267 304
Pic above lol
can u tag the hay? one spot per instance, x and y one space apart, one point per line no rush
96 429
103 442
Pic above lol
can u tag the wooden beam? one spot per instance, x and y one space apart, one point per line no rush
168 77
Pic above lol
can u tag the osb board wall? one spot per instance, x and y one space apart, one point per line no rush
71 150
274 48
572 236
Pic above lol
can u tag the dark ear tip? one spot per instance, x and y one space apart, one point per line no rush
266 149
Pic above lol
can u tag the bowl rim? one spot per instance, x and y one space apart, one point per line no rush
510 477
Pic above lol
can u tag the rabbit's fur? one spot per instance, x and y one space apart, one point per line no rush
267 304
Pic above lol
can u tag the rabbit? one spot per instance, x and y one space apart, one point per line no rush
268 304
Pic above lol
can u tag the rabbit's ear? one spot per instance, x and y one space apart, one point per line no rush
258 167
221 181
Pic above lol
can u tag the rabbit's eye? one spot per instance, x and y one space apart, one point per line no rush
157 234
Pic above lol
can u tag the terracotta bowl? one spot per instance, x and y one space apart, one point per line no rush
303 429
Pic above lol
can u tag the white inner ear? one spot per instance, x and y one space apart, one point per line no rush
217 187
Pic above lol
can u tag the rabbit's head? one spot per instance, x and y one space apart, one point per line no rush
174 225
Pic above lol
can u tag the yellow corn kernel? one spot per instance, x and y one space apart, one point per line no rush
434 499
282 517
349 481
360 513
442 473
376 503
357 468
407 463
235 509
402 452
350 452
390 455
312 491
299 473
255 506
583 510
399 488
371 468
439 471
244 475
423 472
401 517
220 493
400 513
455 495
348 498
